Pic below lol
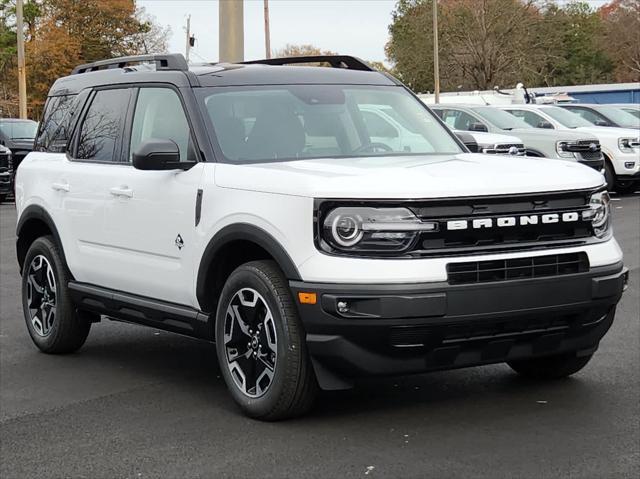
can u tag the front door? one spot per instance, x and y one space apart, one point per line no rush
149 223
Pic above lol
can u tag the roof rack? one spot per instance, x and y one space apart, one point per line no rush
172 61
336 61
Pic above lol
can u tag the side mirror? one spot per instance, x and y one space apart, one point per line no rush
545 124
601 123
157 154
478 127
468 140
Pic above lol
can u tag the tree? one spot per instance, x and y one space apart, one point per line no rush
621 38
63 33
301 51
576 55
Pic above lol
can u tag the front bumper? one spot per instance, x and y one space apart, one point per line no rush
413 328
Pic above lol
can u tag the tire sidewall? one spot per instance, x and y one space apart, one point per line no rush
288 346
44 247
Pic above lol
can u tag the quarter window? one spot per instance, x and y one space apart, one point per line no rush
55 128
159 114
102 126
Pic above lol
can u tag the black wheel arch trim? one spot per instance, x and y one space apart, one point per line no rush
37 212
244 232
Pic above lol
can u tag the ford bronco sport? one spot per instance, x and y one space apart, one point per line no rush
247 205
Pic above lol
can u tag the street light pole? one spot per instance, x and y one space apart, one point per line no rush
22 71
231 30
436 59
267 34
188 47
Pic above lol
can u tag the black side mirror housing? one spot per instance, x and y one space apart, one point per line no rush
158 154
545 124
602 123
478 127
468 140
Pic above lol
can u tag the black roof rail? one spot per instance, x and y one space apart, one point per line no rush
336 61
170 61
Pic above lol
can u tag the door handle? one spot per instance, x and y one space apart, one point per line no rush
122 191
61 187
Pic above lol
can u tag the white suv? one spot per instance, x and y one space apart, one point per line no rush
247 205
620 146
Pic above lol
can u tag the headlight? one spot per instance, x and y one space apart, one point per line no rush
628 145
358 230
561 149
599 213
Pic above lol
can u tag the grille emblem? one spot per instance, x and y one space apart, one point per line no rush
511 221
513 150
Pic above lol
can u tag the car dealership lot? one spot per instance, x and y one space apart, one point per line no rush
135 402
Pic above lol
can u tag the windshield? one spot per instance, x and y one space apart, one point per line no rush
619 116
632 111
288 122
500 118
19 130
566 118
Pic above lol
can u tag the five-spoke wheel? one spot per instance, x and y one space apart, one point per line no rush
41 295
250 341
261 344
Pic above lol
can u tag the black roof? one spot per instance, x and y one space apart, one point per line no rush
222 74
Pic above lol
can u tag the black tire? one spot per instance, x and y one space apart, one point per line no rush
68 330
550 367
609 176
292 386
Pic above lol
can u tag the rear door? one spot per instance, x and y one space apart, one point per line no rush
149 222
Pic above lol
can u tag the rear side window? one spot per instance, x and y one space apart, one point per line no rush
102 126
55 130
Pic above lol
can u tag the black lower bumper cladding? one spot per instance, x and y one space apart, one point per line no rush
363 330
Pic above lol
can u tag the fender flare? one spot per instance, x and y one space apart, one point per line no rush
37 212
246 232
533 150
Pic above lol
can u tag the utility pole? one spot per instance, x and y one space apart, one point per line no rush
188 47
267 34
22 71
231 30
436 58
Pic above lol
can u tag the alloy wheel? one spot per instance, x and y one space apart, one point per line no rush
250 342
41 295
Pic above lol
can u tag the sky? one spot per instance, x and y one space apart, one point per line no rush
350 27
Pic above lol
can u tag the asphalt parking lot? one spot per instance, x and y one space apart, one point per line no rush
140 403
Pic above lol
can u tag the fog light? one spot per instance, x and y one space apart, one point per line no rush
629 164
343 307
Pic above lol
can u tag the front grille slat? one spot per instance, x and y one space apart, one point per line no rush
517 268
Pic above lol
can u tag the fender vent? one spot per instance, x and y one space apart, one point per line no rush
517 268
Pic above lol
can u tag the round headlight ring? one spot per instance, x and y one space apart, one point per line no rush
346 230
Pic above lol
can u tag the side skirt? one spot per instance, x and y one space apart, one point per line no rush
132 308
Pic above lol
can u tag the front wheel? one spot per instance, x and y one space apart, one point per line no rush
609 176
550 367
261 344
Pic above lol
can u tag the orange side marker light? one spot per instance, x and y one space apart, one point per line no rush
307 298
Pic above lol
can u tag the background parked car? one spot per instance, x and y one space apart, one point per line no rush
18 136
541 143
604 115
6 173
633 108
620 146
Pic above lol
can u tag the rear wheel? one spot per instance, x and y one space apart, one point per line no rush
551 367
52 320
261 344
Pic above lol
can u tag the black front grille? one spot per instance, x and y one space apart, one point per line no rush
5 164
517 268
507 236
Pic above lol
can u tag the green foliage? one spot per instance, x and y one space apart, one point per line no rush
487 43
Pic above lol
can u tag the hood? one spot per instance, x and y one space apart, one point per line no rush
555 135
610 132
484 138
426 176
